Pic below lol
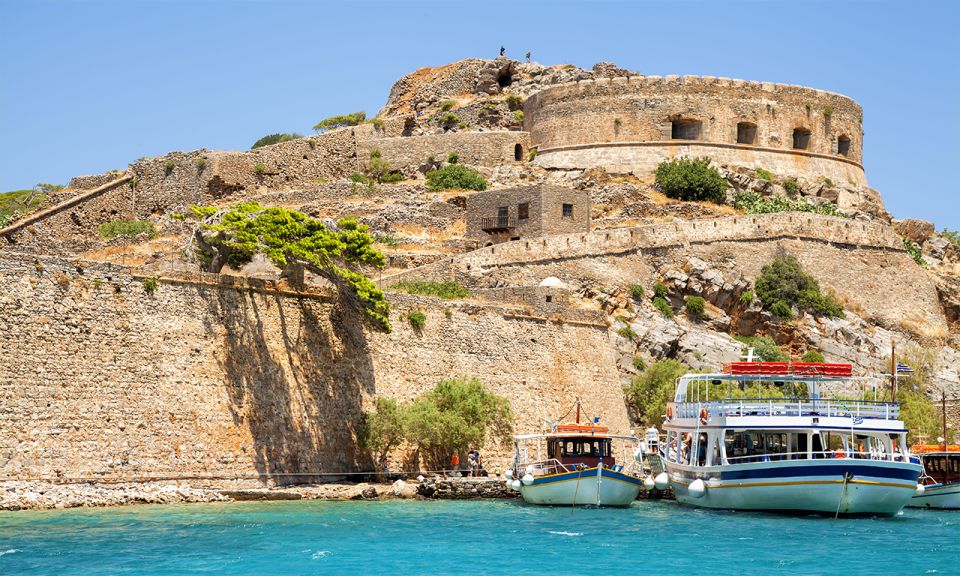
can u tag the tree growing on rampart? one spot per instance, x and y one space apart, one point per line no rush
340 121
647 394
783 287
232 236
691 179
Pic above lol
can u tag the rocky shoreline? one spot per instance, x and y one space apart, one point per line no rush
35 495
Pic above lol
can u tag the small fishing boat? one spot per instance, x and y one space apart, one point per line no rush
580 466
940 478
818 447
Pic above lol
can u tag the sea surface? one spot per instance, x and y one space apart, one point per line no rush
475 537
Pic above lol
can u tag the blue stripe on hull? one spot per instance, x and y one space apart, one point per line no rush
822 470
584 474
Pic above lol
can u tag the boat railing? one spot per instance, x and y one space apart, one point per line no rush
551 466
791 407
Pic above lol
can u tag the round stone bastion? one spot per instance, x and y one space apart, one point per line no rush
631 124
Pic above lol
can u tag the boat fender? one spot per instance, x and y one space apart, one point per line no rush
530 469
661 481
704 417
515 484
648 483
697 488
527 479
509 474
508 483
920 490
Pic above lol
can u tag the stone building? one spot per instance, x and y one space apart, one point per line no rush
500 215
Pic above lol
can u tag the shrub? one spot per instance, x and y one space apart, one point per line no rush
639 364
97 283
358 178
532 155
45 188
660 290
812 356
781 310
456 415
764 347
915 252
518 115
952 235
514 102
448 120
455 176
377 167
127 228
627 332
417 319
691 179
448 313
751 202
149 284
259 169
791 186
783 280
448 290
695 306
201 163
447 105
391 177
168 166
378 124
271 139
764 175
663 306
636 291
340 121
453 158
647 394
201 212
746 297
827 112
17 203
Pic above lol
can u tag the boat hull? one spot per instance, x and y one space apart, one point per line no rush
585 487
872 488
943 496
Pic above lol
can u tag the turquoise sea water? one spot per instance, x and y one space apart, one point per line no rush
475 537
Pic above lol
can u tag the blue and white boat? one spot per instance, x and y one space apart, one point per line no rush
577 464
818 447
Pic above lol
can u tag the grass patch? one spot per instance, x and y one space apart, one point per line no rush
695 306
448 289
636 291
764 175
627 332
149 284
417 319
750 202
663 306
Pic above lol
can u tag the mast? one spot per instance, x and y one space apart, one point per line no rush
578 410
893 371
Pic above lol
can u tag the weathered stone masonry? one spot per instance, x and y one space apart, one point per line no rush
99 378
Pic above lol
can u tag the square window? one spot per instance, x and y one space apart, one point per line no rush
568 210
523 211
549 298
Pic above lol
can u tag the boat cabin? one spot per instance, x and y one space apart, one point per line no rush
941 464
587 450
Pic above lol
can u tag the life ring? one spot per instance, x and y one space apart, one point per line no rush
839 453
669 412
704 417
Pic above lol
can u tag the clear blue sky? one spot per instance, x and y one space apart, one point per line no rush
89 86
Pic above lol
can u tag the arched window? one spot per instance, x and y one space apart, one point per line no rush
801 138
843 145
685 130
518 152
746 133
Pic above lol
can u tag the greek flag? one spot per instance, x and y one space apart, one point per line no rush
903 368
857 420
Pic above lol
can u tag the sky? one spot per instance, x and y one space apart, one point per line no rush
88 86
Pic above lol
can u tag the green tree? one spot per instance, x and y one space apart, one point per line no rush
233 235
783 280
340 121
691 179
765 349
456 415
812 356
647 394
384 429
275 139
919 413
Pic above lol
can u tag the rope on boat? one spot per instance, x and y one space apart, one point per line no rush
847 476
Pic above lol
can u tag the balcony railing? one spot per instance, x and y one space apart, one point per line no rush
792 407
498 223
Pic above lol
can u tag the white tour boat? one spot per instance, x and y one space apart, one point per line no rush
822 448
580 466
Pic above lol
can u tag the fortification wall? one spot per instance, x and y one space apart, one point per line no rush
475 148
639 110
213 375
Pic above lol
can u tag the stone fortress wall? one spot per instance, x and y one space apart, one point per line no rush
631 124
212 375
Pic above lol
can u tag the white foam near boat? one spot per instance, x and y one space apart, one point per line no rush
580 467
820 448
